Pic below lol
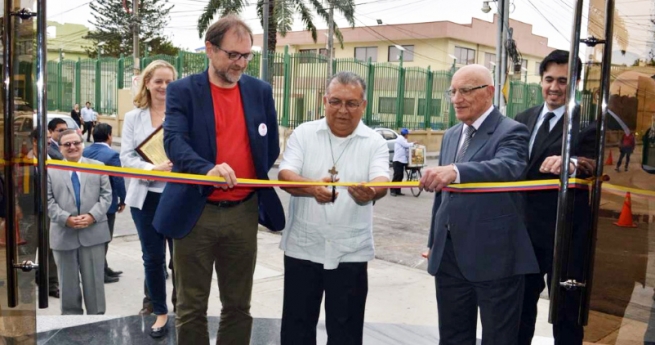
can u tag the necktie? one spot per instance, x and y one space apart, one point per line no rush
542 132
76 188
468 134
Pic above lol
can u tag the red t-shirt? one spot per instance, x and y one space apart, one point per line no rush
232 142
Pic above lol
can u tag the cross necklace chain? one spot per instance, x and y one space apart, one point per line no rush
333 171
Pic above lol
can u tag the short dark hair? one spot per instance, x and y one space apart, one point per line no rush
101 133
52 125
216 32
560 57
87 102
35 134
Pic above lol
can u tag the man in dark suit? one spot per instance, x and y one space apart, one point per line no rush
219 123
101 151
55 127
479 247
545 123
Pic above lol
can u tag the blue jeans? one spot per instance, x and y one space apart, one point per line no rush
153 247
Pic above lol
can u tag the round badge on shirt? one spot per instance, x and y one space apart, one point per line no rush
263 129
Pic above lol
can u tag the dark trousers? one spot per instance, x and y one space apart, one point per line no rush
567 331
147 303
153 248
88 128
627 159
53 278
225 240
345 289
458 300
398 172
111 220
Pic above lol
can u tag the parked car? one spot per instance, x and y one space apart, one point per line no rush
390 136
25 124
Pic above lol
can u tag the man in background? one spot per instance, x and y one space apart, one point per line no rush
55 127
400 156
89 118
101 151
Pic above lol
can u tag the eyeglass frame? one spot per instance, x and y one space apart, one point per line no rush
235 56
464 91
341 103
71 143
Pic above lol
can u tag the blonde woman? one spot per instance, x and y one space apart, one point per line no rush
143 195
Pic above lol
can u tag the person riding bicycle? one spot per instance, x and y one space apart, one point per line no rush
400 154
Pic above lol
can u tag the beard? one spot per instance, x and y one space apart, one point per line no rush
229 75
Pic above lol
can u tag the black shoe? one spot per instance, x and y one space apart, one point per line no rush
110 279
158 332
112 273
53 293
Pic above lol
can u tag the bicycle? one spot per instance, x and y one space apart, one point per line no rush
414 174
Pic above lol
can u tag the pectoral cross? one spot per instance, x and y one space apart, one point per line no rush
333 174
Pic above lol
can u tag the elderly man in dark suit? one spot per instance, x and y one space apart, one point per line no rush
480 250
545 123
219 123
77 207
101 151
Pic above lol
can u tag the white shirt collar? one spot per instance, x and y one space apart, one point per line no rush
481 119
559 112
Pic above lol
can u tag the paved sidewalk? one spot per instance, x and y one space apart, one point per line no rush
397 294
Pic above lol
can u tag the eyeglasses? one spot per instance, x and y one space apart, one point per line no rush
235 56
60 130
72 143
336 103
463 91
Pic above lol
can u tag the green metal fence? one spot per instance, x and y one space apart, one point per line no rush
397 97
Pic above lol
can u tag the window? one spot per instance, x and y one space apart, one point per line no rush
394 53
465 56
364 53
278 69
490 61
435 105
387 105
388 135
307 55
536 67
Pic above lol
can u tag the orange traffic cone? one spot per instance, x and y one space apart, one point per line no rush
625 219
609 160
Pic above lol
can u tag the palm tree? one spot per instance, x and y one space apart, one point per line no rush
281 15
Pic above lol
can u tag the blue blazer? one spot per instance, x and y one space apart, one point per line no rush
190 143
109 156
487 229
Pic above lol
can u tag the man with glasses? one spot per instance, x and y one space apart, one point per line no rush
329 239
219 123
55 127
480 250
546 125
77 207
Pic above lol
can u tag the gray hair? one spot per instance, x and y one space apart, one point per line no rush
67 132
347 78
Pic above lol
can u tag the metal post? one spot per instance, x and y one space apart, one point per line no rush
9 190
286 93
429 80
503 62
499 53
60 87
265 42
330 46
400 97
41 192
135 36
601 114
563 227
370 83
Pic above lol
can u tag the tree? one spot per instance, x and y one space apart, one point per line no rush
113 22
281 15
